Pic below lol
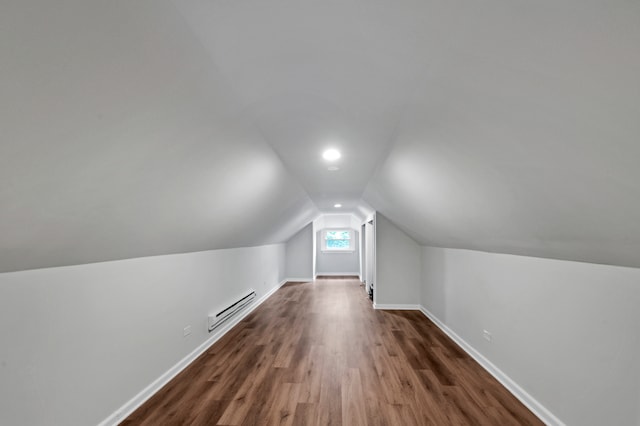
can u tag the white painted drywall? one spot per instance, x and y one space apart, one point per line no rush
338 221
125 141
638 405
78 342
337 263
397 263
299 254
363 254
566 332
369 255
522 136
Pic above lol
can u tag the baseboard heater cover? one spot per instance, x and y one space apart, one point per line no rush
218 319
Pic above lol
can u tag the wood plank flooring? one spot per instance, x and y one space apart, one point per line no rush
319 354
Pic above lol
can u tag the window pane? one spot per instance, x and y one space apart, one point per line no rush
337 244
338 235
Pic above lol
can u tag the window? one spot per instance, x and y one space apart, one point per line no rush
337 240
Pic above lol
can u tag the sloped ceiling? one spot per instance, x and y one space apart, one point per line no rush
526 139
121 139
154 126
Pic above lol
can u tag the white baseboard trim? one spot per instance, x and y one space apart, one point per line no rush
530 402
298 280
396 307
337 274
135 402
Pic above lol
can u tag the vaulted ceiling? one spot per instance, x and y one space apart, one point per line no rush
153 127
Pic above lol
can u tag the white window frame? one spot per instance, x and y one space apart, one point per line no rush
352 243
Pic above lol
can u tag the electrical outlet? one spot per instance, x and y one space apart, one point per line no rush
187 331
486 335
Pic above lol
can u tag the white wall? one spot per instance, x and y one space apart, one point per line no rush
342 263
337 263
369 257
341 220
78 342
299 254
362 243
566 332
89 165
397 266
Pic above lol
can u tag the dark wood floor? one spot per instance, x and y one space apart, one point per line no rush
318 354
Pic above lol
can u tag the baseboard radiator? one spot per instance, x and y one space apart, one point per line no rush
216 320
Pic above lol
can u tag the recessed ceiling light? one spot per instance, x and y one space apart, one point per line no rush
333 168
337 206
331 154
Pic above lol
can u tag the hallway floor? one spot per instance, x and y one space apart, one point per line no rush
317 353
